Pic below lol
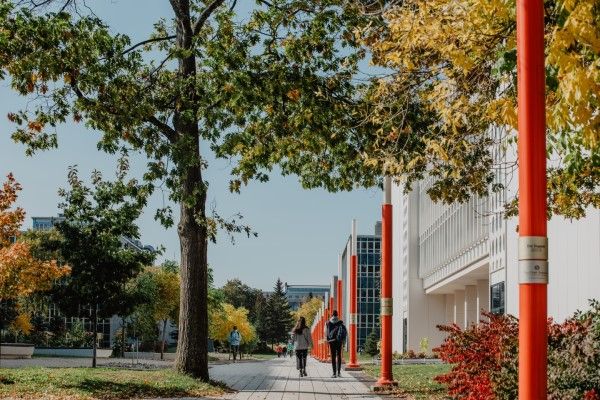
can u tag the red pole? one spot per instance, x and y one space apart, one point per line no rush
339 303
386 378
353 363
533 241
339 299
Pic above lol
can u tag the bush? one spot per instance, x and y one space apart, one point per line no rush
485 358
371 344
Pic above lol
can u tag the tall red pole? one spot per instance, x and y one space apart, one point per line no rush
533 241
353 362
339 299
386 378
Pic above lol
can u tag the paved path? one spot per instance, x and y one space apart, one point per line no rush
278 379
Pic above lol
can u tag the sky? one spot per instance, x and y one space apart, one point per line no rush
300 232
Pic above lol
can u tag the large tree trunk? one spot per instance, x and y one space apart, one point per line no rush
192 348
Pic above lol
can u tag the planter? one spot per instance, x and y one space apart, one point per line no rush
62 352
146 355
16 350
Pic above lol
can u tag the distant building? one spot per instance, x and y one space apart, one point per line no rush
298 294
368 283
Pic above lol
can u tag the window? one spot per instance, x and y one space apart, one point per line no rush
497 298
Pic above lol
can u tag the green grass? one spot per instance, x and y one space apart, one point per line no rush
99 383
415 381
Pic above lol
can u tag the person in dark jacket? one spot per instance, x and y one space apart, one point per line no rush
336 333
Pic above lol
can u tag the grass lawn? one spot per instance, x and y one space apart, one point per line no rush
415 381
99 383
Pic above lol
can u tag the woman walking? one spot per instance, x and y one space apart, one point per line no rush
302 342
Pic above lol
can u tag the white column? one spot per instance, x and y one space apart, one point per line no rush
459 308
449 308
471 305
483 297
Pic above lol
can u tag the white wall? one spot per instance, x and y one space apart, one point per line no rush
574 265
397 272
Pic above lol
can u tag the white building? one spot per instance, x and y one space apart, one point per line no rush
452 261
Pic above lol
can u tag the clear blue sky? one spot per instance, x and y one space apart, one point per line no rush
300 232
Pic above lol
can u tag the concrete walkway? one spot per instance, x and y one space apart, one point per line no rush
278 379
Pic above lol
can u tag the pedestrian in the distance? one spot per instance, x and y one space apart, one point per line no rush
235 338
278 350
302 341
284 351
336 334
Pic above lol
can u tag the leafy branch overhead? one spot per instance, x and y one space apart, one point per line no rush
466 86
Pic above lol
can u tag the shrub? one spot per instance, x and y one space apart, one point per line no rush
371 344
485 358
478 356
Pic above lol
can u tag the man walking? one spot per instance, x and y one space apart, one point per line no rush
336 334
235 338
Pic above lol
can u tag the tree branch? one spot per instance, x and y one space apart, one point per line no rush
206 13
169 132
159 39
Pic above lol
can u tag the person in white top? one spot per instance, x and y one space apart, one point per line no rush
302 342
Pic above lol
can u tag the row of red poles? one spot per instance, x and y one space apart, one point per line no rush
533 242
320 349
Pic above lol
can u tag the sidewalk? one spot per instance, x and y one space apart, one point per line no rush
278 379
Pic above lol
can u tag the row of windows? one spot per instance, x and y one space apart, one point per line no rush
369 259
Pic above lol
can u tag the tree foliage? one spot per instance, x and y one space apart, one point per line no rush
238 294
227 318
309 310
20 272
442 96
272 87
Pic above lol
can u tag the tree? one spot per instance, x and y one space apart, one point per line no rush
278 315
166 305
436 107
309 310
229 317
96 221
239 294
262 312
260 89
371 347
21 274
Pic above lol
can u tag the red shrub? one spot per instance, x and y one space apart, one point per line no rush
479 354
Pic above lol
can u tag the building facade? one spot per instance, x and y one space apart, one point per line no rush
298 294
452 262
368 253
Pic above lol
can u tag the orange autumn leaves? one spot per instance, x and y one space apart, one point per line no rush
20 273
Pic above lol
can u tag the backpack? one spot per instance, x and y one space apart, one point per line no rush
337 333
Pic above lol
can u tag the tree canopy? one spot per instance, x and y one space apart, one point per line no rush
441 97
309 310
271 88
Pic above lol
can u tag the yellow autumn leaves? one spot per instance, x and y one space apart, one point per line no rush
454 44
20 273
223 321
456 60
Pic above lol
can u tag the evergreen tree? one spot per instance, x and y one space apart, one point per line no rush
278 315
261 308
371 343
